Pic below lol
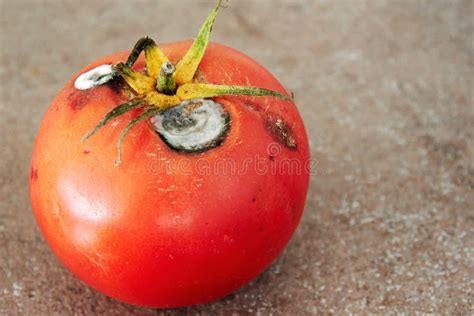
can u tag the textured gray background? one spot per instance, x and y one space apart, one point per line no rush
386 92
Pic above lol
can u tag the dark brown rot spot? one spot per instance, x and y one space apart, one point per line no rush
281 131
79 99
33 174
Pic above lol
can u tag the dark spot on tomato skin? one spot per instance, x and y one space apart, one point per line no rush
272 158
78 99
280 131
254 199
116 88
86 151
33 174
260 229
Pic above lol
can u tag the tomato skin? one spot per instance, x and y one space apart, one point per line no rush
165 228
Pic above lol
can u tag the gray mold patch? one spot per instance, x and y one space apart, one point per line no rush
193 126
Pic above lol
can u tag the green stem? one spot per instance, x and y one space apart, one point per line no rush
165 83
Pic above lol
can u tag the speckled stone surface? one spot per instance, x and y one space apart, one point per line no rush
386 92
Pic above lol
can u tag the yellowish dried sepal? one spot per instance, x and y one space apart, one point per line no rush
139 82
203 90
187 66
160 100
154 57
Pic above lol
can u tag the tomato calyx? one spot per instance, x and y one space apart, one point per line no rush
164 85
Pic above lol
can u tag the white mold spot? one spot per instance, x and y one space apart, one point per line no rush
193 125
94 77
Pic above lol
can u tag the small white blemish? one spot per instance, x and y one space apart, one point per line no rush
94 77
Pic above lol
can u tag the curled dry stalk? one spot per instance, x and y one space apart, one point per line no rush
166 85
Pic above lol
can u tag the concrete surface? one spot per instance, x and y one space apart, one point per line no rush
386 91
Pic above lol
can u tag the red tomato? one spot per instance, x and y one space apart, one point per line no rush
167 228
